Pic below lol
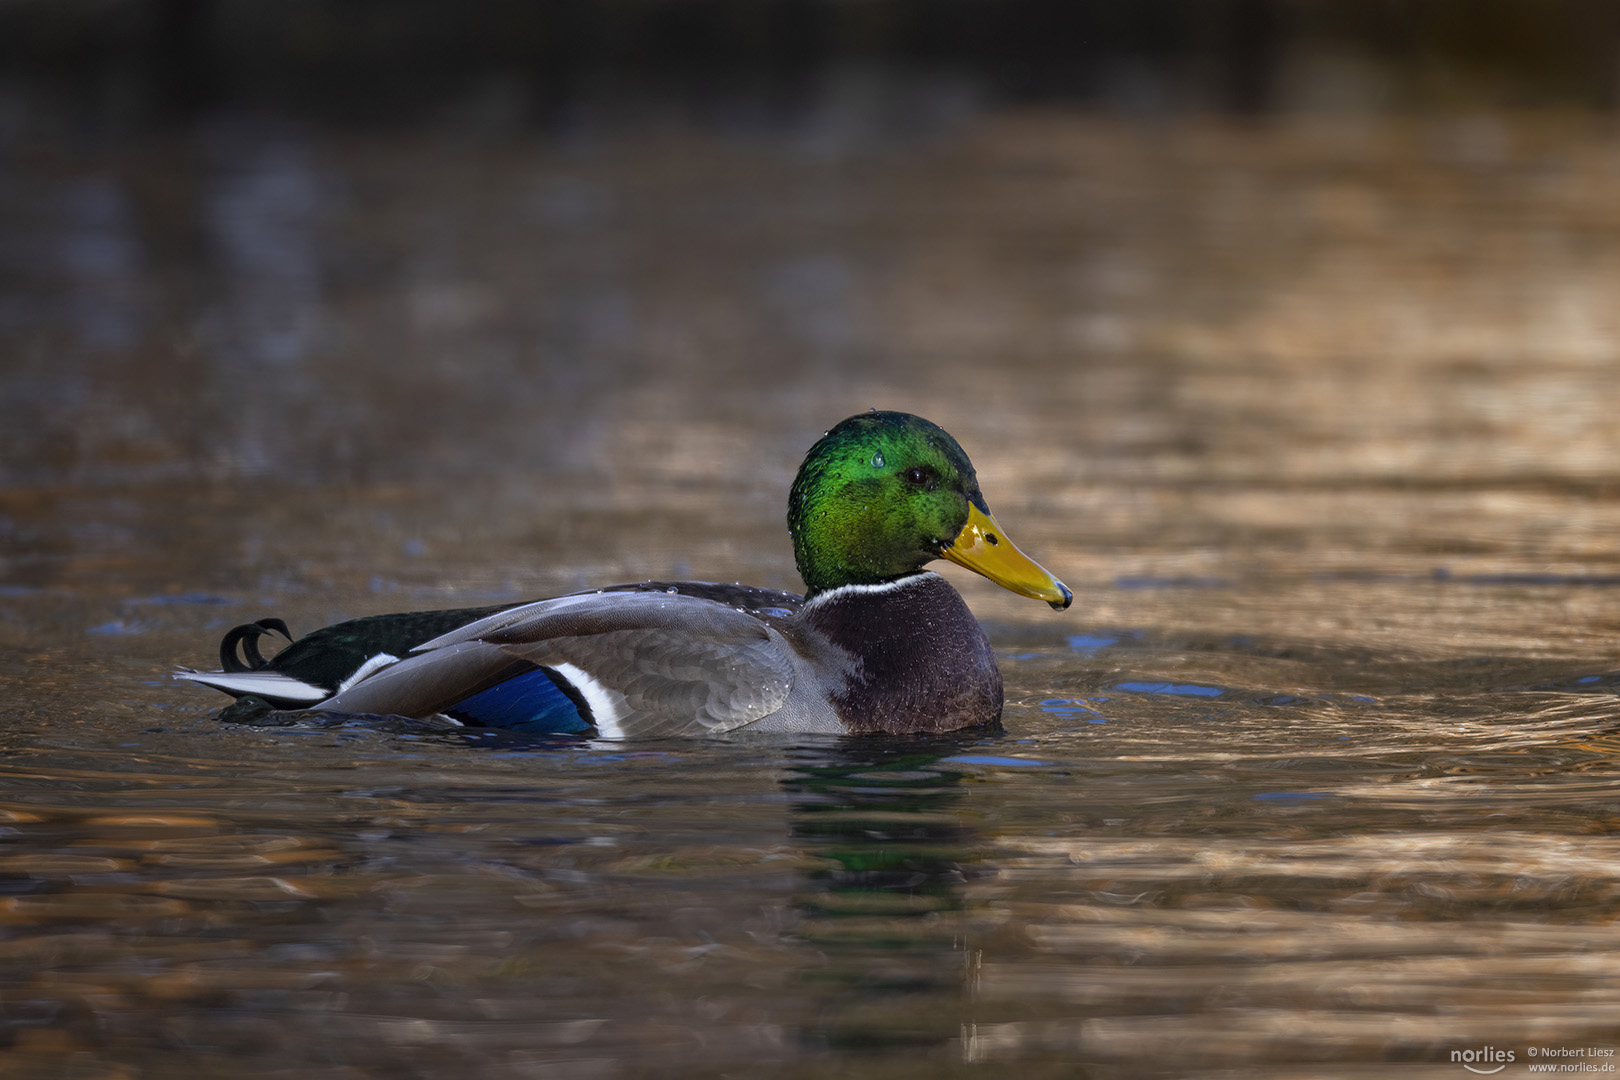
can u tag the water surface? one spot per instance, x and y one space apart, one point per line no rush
1317 777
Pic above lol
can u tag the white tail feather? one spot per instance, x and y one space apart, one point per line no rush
266 684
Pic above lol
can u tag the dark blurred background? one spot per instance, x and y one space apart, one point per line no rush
741 62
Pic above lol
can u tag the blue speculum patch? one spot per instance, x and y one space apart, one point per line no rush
530 702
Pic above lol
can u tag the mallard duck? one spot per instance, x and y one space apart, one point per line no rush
876 644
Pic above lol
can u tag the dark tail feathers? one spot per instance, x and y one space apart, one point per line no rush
247 636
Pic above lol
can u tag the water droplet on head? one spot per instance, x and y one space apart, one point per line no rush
877 460
672 589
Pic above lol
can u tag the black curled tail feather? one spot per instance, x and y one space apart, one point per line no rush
247 637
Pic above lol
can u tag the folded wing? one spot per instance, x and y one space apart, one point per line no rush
637 663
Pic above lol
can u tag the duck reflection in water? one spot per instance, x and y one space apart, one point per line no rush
884 818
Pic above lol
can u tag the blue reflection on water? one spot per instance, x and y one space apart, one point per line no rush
119 627
1089 644
990 759
1182 689
1075 709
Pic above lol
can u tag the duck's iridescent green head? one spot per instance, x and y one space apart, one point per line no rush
883 494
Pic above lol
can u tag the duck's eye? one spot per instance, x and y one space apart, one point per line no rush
916 476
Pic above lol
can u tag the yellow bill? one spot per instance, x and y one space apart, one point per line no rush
982 547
